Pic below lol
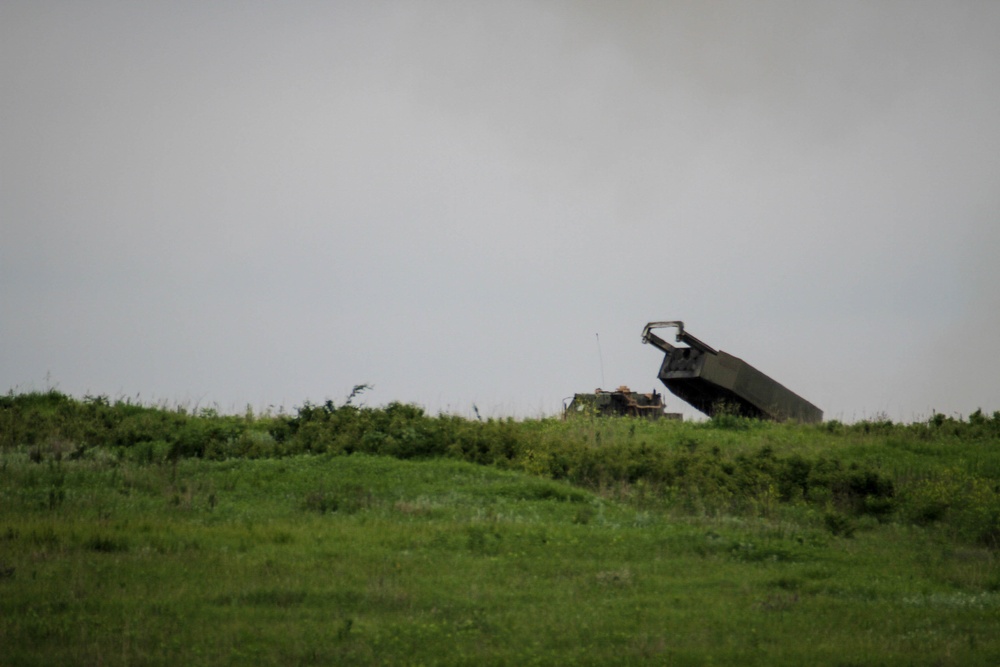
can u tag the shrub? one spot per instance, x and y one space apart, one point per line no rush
839 524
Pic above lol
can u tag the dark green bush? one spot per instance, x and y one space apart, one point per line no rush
839 524
727 464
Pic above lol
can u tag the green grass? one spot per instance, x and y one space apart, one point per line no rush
341 535
445 562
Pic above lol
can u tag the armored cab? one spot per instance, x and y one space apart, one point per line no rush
712 380
622 402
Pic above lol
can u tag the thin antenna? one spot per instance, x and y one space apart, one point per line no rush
601 357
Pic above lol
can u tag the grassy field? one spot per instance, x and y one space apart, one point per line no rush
132 535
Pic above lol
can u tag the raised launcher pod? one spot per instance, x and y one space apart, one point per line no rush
711 380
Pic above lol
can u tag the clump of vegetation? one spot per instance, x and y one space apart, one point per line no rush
346 534
729 465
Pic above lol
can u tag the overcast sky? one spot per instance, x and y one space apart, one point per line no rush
231 203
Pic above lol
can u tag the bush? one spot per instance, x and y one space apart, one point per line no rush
727 464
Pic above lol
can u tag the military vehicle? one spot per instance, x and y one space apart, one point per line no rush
714 381
622 402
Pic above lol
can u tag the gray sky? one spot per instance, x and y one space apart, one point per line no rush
244 202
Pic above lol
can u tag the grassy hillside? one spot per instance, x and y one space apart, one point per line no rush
344 535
